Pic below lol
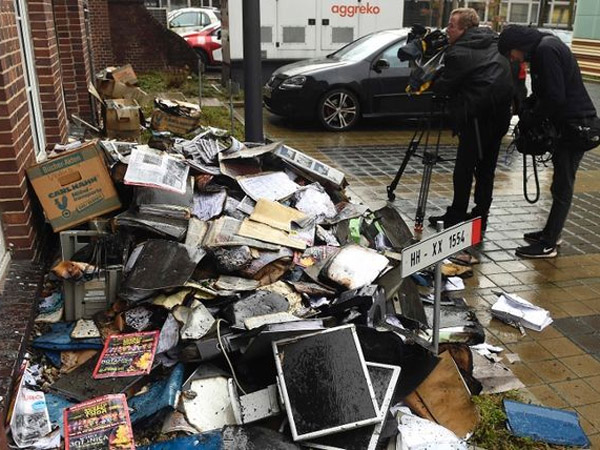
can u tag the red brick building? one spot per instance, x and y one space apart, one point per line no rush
44 71
49 50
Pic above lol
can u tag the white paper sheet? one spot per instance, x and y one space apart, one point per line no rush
511 306
272 186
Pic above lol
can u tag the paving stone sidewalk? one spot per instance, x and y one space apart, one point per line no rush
560 366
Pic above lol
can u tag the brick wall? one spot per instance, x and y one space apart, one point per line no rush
74 55
16 141
41 19
102 52
136 37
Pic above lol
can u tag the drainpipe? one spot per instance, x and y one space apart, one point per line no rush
252 72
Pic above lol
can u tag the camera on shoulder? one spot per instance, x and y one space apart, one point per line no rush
424 49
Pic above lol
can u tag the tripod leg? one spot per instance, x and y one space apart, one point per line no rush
429 160
410 151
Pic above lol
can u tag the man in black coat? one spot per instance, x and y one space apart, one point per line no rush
558 94
478 82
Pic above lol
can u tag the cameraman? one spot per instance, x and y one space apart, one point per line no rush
478 82
558 94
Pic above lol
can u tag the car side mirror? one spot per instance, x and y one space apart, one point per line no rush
380 65
219 34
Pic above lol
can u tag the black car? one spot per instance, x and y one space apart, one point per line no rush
364 78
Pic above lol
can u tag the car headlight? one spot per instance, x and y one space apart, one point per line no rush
293 83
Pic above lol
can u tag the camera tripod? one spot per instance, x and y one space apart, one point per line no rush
430 157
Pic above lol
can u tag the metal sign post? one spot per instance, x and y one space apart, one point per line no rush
437 297
200 70
434 250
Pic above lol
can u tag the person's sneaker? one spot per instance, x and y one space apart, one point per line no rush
538 250
536 236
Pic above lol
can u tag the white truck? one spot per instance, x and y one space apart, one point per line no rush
300 29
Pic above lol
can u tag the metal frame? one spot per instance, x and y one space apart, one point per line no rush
286 400
387 399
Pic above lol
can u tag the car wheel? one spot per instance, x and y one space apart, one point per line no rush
339 110
203 57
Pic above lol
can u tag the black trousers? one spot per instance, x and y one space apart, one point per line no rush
470 164
566 161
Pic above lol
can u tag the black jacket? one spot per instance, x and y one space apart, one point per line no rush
558 89
476 77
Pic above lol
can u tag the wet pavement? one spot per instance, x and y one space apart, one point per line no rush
561 365
18 294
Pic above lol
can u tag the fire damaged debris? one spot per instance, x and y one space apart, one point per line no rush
236 298
330 365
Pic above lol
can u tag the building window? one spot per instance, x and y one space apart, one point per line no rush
266 35
31 82
480 7
535 10
560 15
519 13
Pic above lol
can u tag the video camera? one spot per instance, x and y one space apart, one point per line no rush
425 49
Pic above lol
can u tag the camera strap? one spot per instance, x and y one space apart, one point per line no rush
536 178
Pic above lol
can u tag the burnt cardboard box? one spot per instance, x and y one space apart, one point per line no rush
122 119
74 187
119 82
180 125
123 74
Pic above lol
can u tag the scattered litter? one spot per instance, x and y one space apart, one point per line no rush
512 358
550 425
154 168
247 266
101 423
443 397
511 307
454 284
415 433
270 186
331 366
354 266
494 376
127 355
159 396
29 421
209 408
85 328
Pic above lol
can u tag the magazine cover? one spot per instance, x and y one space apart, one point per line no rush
126 355
99 423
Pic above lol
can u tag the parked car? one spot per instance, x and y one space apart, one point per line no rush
362 79
188 20
207 44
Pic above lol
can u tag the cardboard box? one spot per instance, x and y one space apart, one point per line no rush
120 82
123 74
74 187
115 89
122 119
162 121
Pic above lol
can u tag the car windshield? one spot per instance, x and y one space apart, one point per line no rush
365 46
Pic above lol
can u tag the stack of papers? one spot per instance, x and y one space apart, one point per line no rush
514 308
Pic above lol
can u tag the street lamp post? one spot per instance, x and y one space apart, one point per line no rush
252 72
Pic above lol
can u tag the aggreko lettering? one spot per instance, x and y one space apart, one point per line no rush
351 10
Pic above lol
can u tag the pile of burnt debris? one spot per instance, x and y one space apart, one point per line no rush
218 294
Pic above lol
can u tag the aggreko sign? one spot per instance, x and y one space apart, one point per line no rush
351 10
